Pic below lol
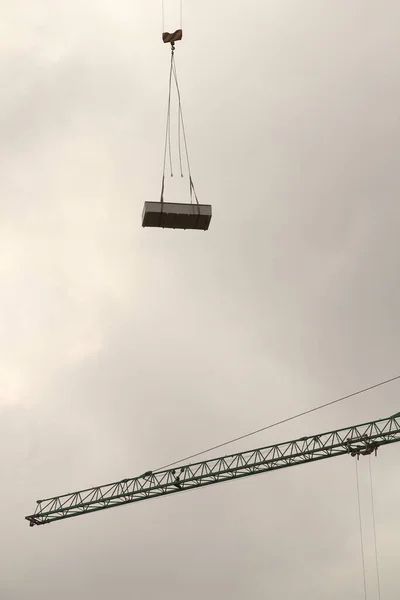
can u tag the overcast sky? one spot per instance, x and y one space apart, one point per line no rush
125 348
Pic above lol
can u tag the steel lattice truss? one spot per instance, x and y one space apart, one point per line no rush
356 441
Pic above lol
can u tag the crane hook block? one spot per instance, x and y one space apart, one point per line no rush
170 38
171 215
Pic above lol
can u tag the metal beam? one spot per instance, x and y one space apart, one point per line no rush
357 440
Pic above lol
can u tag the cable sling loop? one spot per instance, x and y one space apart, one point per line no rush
181 132
168 127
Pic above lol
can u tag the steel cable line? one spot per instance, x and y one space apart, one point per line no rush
374 526
292 418
361 529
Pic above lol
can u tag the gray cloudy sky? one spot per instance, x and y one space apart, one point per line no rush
125 348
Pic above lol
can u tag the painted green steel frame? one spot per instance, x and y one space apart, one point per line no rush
356 440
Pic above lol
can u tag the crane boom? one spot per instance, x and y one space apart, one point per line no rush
356 440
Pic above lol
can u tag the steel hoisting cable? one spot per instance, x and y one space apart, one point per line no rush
163 14
374 526
361 529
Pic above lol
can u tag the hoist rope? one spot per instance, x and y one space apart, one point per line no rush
374 526
361 529
163 15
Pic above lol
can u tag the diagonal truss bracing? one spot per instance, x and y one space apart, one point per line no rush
356 440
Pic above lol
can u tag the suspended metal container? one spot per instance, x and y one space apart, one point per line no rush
171 215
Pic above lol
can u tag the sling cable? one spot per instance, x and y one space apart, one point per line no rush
173 215
360 520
